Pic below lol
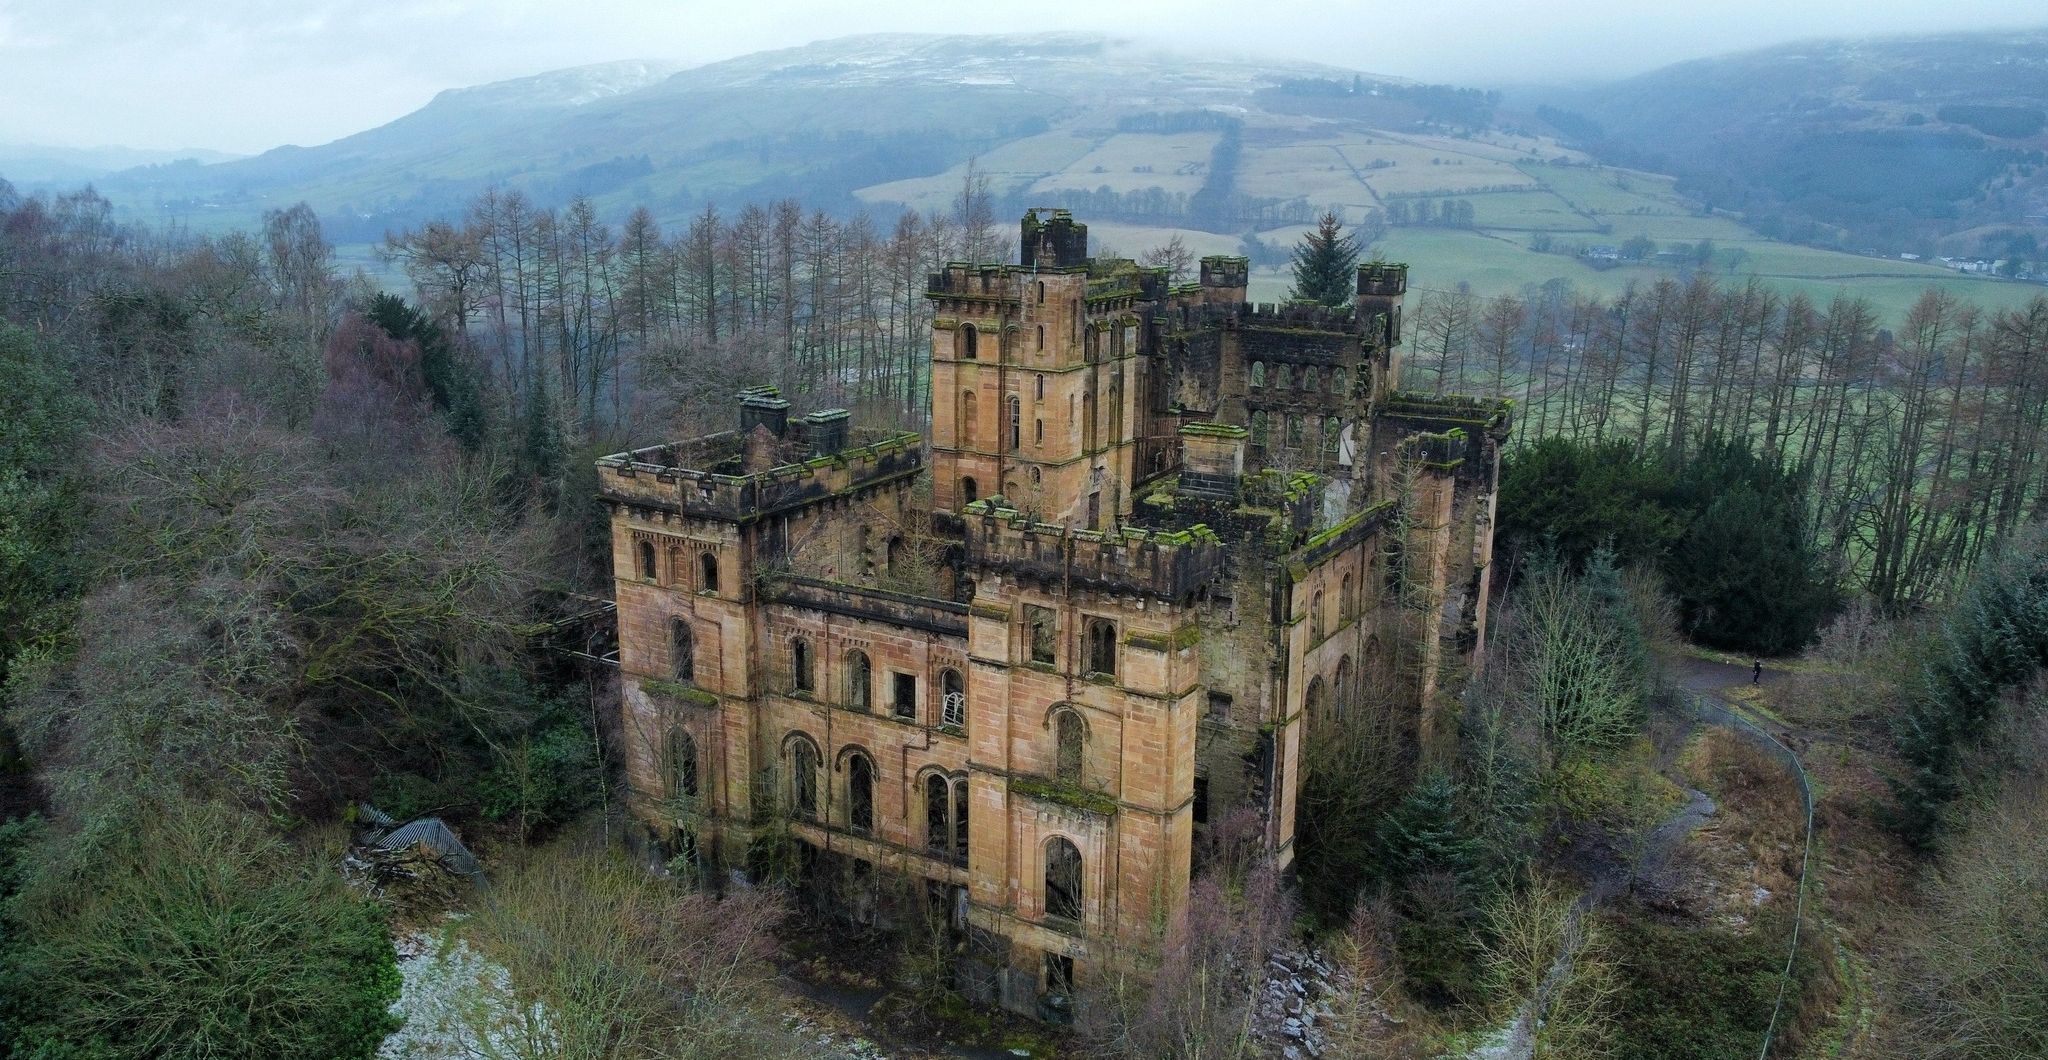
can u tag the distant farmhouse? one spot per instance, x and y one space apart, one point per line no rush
1159 539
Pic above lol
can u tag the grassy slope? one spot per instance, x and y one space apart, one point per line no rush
1580 203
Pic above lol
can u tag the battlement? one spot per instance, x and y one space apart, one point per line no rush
1163 564
1052 238
1292 316
1440 412
962 279
1383 279
657 476
1225 270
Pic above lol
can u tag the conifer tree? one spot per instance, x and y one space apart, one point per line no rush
1325 264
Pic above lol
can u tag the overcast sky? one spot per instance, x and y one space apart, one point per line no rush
246 75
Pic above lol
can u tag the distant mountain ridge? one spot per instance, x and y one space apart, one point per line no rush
44 163
817 121
1896 143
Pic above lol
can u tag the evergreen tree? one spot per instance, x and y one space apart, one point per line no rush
1424 833
1994 640
39 418
1434 867
1326 264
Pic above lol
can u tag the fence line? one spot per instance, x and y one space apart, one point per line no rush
1708 709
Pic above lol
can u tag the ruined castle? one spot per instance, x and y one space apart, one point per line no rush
1005 677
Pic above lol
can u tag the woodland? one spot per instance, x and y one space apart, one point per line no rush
276 543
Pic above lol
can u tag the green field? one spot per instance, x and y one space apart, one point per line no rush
1552 193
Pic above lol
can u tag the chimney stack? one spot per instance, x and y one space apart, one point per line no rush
763 406
828 430
1212 459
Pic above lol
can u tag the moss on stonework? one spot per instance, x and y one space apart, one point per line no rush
1213 430
1065 794
1186 636
688 695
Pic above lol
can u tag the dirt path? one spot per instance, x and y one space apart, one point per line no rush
1614 877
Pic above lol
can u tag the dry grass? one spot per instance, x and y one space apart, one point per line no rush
1755 838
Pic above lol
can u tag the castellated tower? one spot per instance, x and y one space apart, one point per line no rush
1174 537
1035 375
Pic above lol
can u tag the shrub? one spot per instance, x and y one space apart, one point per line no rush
196 936
1697 993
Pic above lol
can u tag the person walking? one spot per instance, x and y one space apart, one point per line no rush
1756 672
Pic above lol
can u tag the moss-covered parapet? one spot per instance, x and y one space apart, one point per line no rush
683 694
1166 564
1441 412
1213 430
661 478
1182 637
1443 451
1386 279
1063 794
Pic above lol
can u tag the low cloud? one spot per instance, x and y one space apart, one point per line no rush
247 75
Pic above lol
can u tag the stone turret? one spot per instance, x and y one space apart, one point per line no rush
1052 239
1225 279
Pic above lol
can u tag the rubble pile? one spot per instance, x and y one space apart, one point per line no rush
1295 1012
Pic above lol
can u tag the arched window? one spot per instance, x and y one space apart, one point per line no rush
967 342
1062 879
677 569
1016 423
1038 432
1041 292
860 792
1317 702
1347 690
1283 377
682 765
1315 616
1338 382
1333 436
682 651
969 491
802 757
1347 605
894 555
938 805
1102 646
952 698
1070 739
801 676
708 564
1258 374
859 678
1037 476
1041 388
970 420
945 816
1309 379
1259 430
960 820
1041 336
647 560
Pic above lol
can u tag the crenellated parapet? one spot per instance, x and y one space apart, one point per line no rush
651 477
1443 412
1169 565
1382 279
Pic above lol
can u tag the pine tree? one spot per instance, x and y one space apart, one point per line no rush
1325 264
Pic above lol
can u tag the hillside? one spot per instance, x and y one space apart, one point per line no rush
47 164
1232 155
1928 144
